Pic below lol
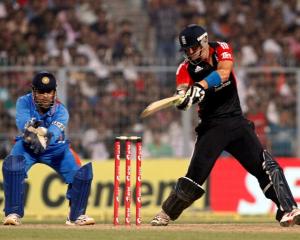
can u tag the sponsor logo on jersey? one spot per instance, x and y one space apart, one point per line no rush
225 84
59 125
198 69
226 55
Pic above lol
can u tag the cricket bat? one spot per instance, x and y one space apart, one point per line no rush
159 105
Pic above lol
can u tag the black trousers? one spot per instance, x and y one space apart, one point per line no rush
235 135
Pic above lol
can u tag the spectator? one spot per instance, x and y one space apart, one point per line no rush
283 136
256 114
157 148
165 19
59 33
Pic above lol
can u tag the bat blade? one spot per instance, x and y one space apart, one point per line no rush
159 105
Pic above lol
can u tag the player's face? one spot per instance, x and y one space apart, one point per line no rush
44 99
197 53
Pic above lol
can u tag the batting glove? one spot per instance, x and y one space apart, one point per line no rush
194 94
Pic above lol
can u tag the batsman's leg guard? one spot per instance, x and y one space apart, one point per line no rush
79 191
13 170
270 193
185 193
280 185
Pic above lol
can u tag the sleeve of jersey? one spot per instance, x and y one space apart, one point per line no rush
22 113
182 75
224 52
59 123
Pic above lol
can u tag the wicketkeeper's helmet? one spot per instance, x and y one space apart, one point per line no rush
193 35
44 82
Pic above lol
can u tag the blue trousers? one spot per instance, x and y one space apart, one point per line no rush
58 156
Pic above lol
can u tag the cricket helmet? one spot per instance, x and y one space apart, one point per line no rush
193 35
44 82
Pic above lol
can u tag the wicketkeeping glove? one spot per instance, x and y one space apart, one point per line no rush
36 139
194 94
33 123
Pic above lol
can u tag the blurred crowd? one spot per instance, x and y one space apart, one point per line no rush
106 92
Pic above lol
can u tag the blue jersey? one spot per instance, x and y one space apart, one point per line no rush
58 154
55 120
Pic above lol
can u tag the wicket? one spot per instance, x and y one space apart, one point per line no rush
138 184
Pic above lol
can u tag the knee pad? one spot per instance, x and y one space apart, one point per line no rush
185 193
13 170
79 190
278 180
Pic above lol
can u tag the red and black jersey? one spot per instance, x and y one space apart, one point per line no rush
221 101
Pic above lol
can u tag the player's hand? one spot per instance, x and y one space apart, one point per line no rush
194 94
33 123
37 139
32 141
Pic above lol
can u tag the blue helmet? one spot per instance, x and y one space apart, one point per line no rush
44 82
193 35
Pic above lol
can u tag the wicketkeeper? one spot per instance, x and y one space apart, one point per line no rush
42 120
206 78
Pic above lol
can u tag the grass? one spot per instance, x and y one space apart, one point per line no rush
147 234
65 234
210 226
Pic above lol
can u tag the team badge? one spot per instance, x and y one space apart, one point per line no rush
183 40
45 80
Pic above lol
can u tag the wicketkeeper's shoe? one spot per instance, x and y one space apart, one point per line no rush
291 218
82 220
161 219
12 219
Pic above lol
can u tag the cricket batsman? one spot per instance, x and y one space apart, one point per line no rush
42 119
206 78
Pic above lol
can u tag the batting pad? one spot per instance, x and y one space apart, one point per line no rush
79 191
13 170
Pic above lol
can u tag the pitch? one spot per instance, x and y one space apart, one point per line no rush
211 231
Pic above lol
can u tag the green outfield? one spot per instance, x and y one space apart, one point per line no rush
211 227
212 231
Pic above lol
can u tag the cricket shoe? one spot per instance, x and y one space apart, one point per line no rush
12 219
161 219
82 220
291 218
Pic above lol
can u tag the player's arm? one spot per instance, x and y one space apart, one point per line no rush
224 69
29 127
191 92
24 120
59 123
182 88
224 54
218 76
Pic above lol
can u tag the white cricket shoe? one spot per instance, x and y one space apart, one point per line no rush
161 219
291 218
12 219
82 220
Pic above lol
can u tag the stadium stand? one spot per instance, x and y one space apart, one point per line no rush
114 78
